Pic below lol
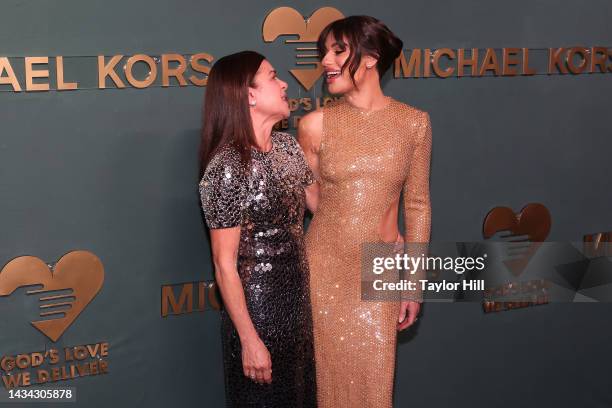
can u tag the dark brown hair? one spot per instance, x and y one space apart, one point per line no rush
366 36
226 119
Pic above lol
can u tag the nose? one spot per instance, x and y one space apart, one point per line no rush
284 85
326 61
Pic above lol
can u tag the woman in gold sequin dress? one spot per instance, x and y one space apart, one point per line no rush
364 150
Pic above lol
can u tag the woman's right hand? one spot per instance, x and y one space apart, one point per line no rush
256 361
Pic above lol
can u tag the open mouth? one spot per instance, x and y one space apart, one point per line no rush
332 74
284 98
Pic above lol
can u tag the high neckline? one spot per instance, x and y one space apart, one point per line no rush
266 152
370 112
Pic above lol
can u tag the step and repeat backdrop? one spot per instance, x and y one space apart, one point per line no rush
106 284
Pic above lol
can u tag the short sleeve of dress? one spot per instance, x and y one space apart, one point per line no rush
223 192
308 176
305 175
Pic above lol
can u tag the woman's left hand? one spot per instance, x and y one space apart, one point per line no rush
409 310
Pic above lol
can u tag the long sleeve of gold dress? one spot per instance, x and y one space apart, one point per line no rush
366 159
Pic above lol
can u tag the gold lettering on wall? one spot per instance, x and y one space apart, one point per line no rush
32 73
499 62
105 70
205 292
427 63
176 72
54 364
412 67
472 61
298 107
490 63
10 78
509 60
436 62
582 52
204 69
598 59
554 61
61 84
136 83
527 70
116 71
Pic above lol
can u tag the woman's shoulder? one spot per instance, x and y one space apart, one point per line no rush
310 129
285 140
225 164
223 190
410 111
311 121
225 156
411 116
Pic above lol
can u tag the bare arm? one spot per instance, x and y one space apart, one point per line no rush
223 193
310 131
224 243
256 357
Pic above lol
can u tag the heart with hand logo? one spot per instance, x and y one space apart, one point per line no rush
288 21
533 221
80 271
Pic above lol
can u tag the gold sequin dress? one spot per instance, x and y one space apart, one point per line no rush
365 160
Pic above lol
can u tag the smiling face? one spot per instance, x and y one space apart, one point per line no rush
336 55
269 93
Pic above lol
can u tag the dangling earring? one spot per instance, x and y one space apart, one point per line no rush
252 103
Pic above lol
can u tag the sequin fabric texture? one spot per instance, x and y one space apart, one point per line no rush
268 204
366 159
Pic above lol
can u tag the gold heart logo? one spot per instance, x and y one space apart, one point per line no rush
533 221
80 271
288 21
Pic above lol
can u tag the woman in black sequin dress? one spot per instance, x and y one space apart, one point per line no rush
253 197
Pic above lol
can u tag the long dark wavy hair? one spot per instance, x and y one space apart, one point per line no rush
366 36
226 119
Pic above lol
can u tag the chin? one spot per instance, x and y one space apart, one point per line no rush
281 113
339 88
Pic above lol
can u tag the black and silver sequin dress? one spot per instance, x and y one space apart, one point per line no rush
269 206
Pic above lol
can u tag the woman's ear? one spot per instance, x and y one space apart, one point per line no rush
251 93
252 97
370 61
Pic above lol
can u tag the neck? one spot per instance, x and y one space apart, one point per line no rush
369 96
262 128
